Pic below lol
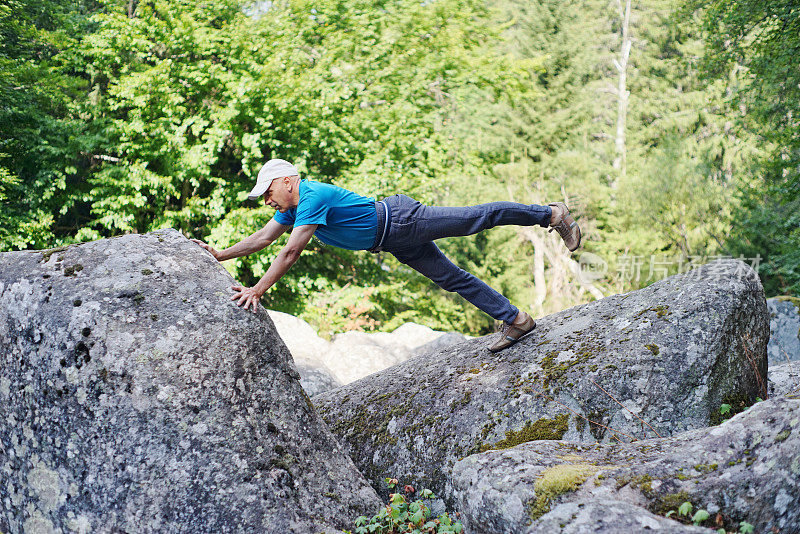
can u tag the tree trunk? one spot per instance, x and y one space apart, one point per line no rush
621 162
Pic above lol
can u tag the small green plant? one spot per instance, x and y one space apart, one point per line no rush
725 409
684 515
700 516
400 516
685 509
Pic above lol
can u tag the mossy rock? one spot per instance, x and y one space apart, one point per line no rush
556 481
543 428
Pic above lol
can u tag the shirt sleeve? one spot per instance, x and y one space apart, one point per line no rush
286 219
312 210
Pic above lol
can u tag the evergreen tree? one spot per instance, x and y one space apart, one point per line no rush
127 116
752 45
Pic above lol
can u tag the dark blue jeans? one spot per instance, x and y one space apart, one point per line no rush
413 227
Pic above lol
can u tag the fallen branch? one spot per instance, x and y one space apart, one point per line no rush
584 418
745 341
626 408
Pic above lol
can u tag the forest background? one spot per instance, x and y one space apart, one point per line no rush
670 129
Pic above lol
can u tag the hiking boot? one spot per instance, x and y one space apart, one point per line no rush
566 227
513 332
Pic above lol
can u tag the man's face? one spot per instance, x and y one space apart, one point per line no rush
278 195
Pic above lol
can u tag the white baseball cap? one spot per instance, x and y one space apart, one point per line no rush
274 168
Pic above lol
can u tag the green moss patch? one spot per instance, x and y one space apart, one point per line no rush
544 428
662 311
73 269
669 501
47 253
643 482
554 371
555 481
706 468
460 403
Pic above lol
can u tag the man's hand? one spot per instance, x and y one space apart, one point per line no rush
214 252
249 296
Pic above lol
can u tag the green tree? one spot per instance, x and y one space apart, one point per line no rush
684 160
39 142
752 45
159 113
188 100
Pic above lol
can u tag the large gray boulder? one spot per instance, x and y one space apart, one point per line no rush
443 341
316 378
355 355
746 469
136 397
671 354
784 326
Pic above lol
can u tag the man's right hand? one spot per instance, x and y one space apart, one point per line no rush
214 252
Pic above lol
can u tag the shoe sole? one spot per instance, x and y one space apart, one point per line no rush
568 214
580 238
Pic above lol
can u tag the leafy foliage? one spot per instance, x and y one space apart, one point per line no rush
40 143
753 46
125 116
685 508
401 516
700 516
746 528
188 100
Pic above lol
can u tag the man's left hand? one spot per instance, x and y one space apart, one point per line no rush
246 296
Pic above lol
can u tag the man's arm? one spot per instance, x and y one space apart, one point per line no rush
299 238
253 243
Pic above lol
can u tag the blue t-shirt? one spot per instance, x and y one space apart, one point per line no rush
345 219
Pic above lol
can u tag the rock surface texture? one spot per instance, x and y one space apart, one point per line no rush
606 517
325 365
136 397
784 326
784 380
746 469
671 354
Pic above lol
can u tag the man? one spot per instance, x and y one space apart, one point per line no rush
398 224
